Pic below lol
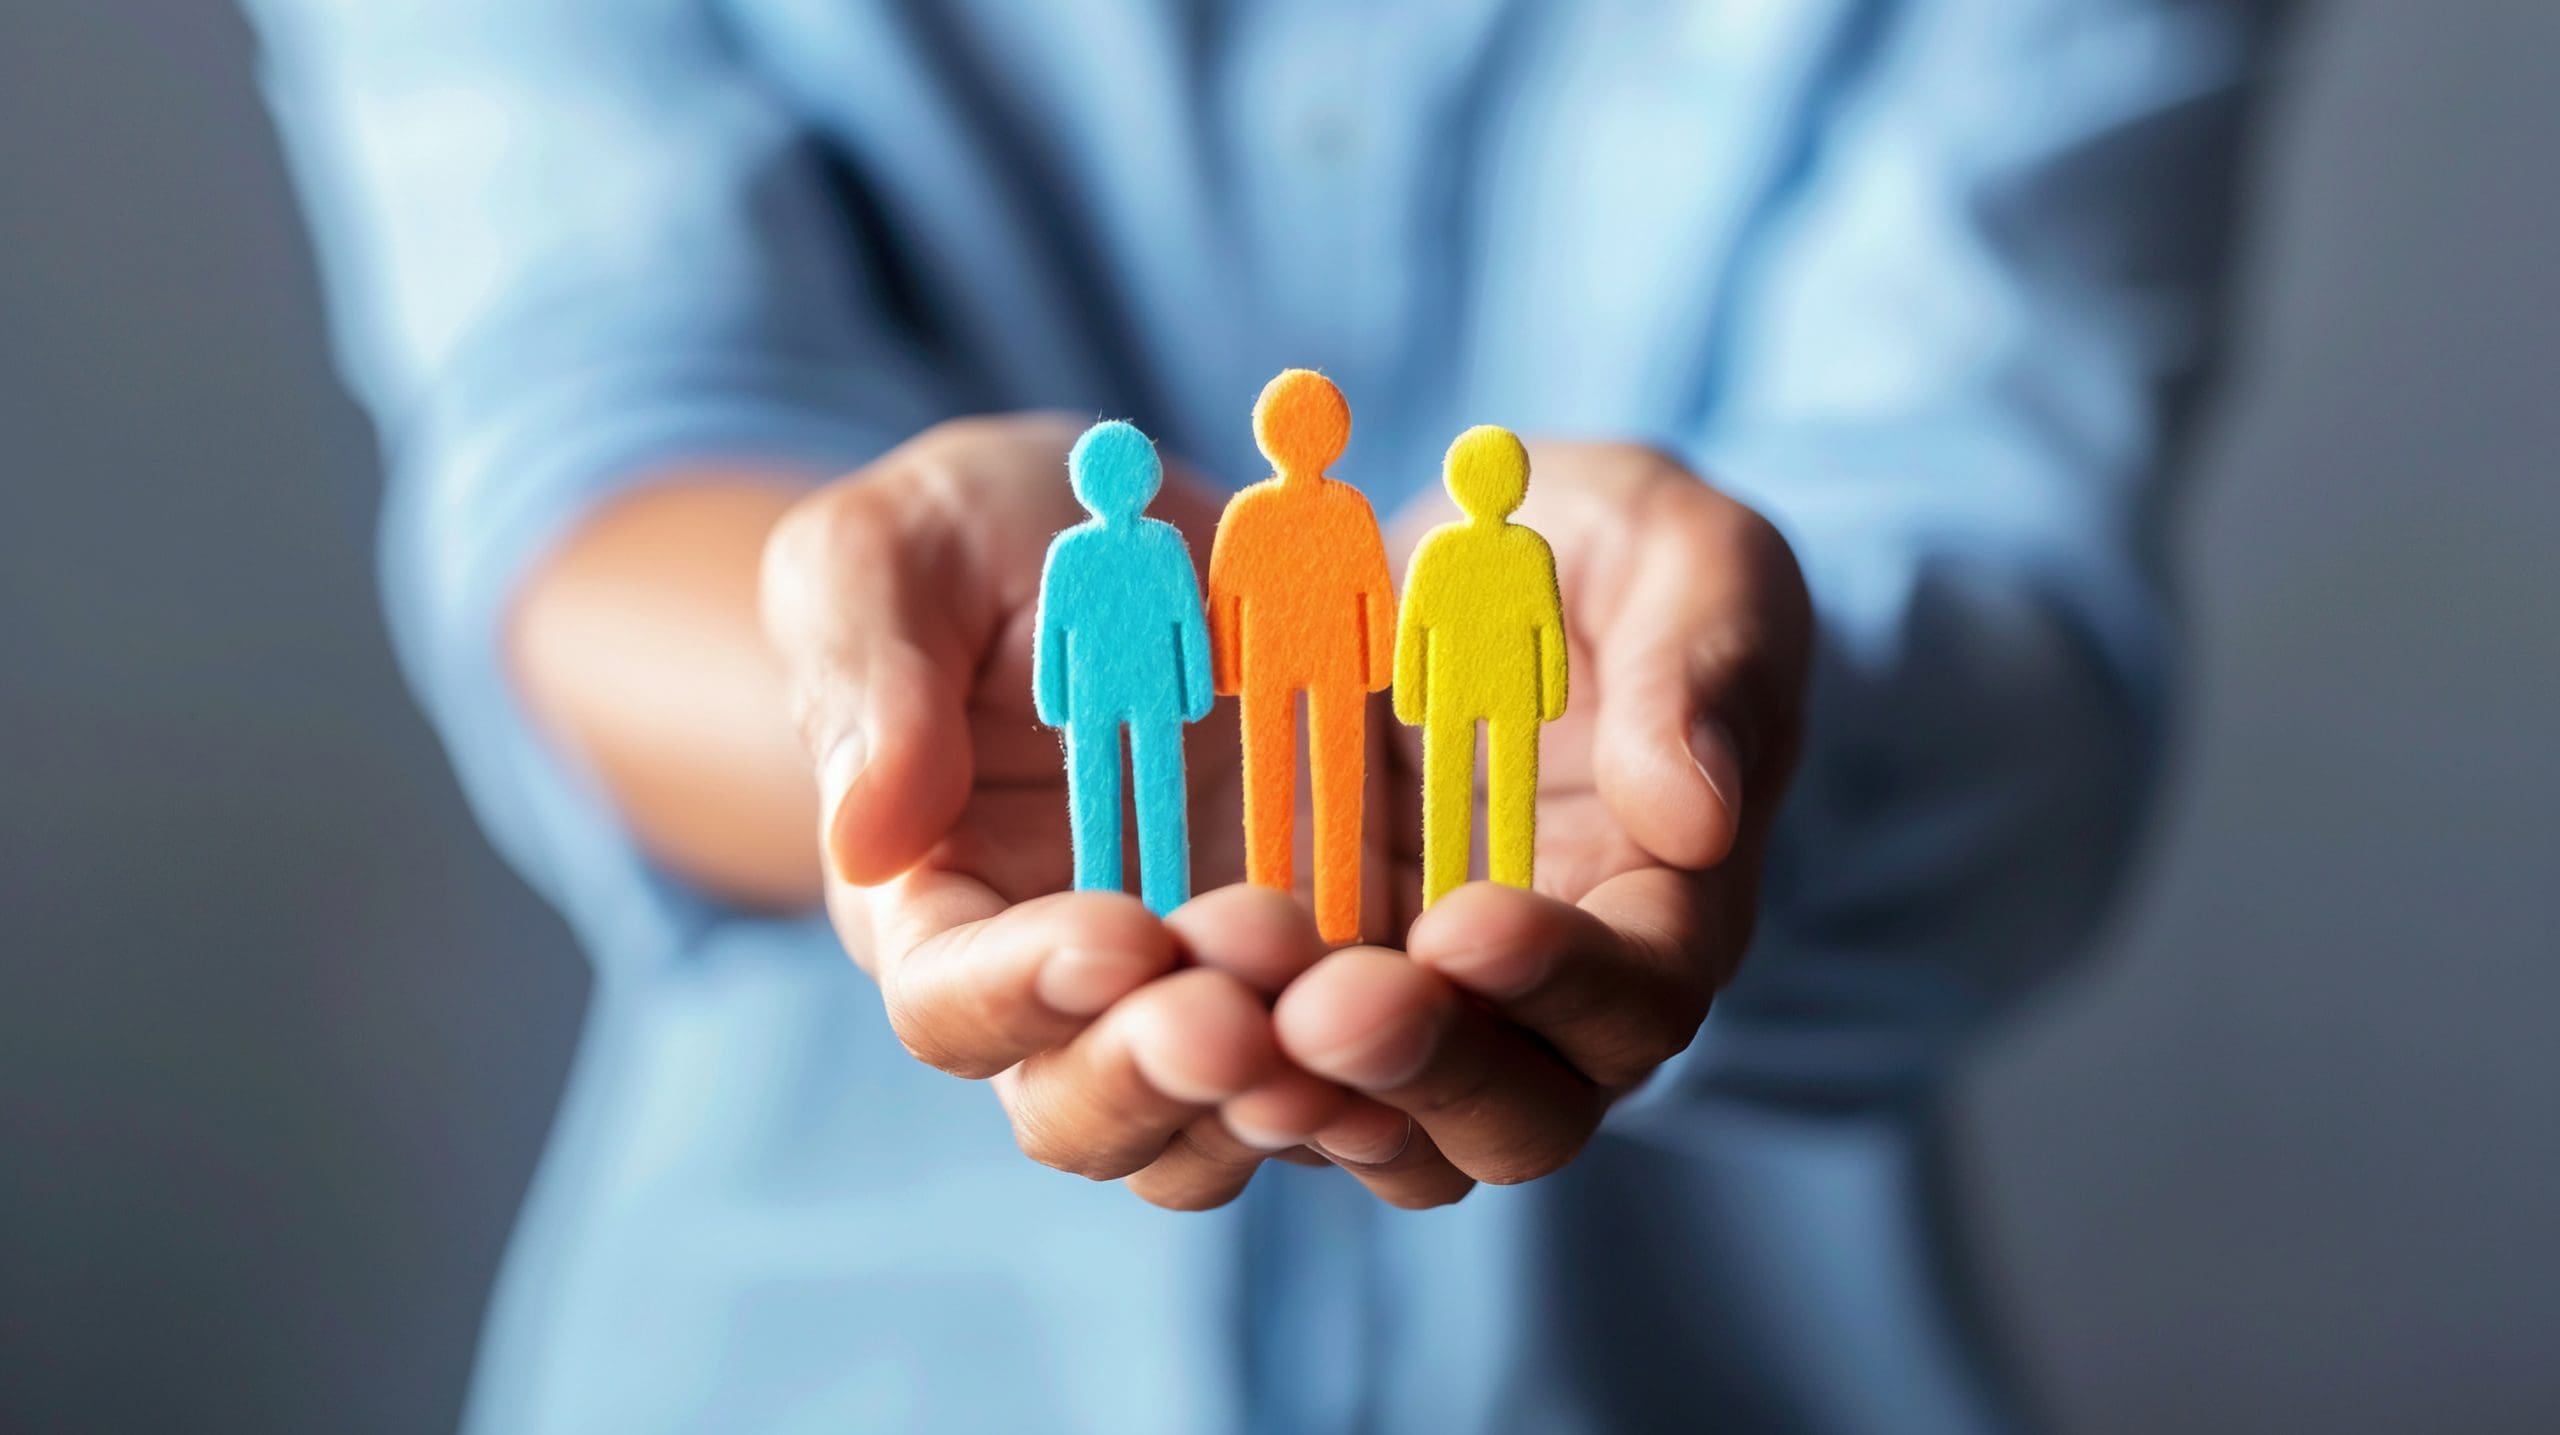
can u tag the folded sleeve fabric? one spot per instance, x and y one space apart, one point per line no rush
568 245
1976 321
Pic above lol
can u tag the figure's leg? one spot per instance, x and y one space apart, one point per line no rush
1337 767
1269 715
1093 803
1511 796
1164 836
1448 801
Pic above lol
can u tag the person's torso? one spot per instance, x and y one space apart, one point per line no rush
1465 212
1298 560
1117 595
1484 599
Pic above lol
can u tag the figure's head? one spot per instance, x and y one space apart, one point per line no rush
1487 472
1114 470
1301 423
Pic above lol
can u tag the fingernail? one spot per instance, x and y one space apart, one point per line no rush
1352 1149
836 774
1711 748
1081 981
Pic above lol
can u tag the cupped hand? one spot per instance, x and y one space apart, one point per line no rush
1515 1018
901 599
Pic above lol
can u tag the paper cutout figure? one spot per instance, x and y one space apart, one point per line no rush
1122 645
1481 640
1299 602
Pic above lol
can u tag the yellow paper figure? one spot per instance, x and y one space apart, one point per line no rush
1480 639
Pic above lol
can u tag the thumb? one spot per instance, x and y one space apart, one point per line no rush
879 676
1701 687
890 736
1665 756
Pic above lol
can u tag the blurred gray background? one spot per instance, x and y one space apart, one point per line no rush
279 1039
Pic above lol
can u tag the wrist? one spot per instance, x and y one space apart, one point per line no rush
637 646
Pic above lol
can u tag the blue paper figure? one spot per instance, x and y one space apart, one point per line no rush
1122 644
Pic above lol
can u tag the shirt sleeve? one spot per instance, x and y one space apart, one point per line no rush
1975 321
567 245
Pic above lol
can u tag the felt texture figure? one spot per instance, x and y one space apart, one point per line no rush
1122 647
1481 640
1299 602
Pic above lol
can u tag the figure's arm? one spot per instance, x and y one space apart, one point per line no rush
607 328
1552 660
1378 610
1049 671
1198 683
1412 642
1225 612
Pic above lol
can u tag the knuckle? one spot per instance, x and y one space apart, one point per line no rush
1464 1097
1660 1028
1036 1136
926 1041
1529 1159
1685 512
1056 1124
954 436
1101 1167
1005 1021
1043 1141
1657 467
948 466
1621 1067
941 484
794 552
845 531
802 530
838 521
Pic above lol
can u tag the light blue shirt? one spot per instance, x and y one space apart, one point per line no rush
1928 283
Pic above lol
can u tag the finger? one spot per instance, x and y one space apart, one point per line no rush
1700 673
1266 940
1107 1103
973 991
1202 1168
1285 1111
1263 937
1382 1149
858 600
1494 1099
1615 995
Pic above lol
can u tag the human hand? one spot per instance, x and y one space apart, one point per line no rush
1521 1016
901 599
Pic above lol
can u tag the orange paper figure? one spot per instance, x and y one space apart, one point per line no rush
1299 602
1481 640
